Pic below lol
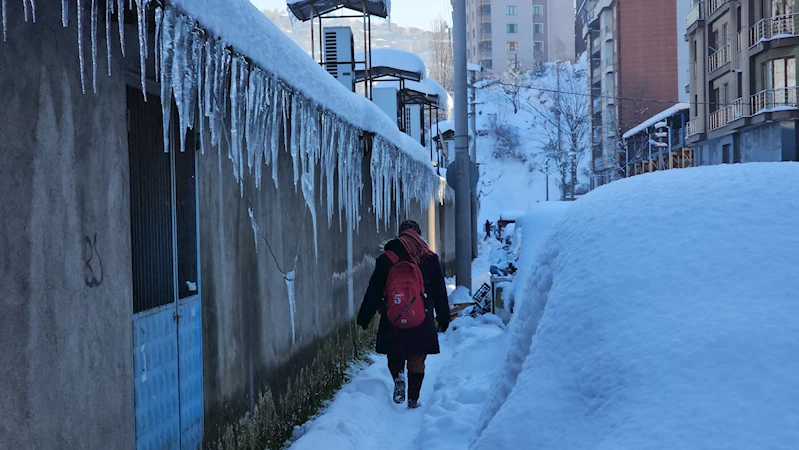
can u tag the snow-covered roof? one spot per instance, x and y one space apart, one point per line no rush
306 9
474 67
427 86
511 215
656 118
394 59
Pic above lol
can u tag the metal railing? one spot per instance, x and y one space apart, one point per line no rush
695 14
768 99
727 114
770 27
719 58
693 126
713 5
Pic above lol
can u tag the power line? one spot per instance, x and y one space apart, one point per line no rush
648 100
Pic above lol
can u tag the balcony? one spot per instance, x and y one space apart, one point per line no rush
740 42
608 33
715 5
595 46
696 14
729 113
718 59
597 76
772 27
770 99
693 126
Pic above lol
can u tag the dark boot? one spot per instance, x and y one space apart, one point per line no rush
414 387
399 389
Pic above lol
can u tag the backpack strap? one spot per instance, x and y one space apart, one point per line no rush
393 257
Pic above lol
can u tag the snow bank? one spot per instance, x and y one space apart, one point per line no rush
656 319
395 59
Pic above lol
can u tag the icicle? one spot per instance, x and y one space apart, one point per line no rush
3 12
33 10
94 45
166 56
159 15
308 193
290 290
64 13
109 8
121 24
25 7
79 10
255 229
141 10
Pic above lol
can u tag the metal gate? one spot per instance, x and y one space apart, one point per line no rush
167 320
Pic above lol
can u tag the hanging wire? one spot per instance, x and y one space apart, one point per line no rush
648 100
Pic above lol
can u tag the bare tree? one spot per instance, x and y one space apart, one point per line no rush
442 68
561 101
512 82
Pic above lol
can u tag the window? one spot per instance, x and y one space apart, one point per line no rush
485 28
513 46
780 73
538 28
512 28
485 46
473 34
487 64
538 49
484 10
538 10
781 7
511 10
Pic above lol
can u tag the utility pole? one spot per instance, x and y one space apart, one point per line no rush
557 120
463 207
546 166
473 155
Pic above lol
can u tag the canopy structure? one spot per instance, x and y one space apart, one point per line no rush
388 63
425 92
305 10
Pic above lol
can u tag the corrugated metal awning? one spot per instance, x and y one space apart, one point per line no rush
307 9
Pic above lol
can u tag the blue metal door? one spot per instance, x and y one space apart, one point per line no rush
167 319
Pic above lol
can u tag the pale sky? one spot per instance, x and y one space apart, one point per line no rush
407 13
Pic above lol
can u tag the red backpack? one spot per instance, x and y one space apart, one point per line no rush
404 293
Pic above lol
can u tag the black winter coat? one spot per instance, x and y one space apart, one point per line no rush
422 340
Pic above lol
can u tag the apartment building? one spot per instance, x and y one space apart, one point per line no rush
635 50
501 33
743 80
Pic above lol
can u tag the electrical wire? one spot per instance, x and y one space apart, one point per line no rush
648 100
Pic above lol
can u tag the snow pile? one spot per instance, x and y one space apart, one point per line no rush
460 296
363 416
655 319
395 59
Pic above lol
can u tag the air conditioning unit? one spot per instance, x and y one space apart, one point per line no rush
387 99
413 122
340 55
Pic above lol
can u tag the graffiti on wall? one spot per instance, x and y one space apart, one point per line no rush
94 265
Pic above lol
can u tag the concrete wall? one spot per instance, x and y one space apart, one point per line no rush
247 319
65 254
66 372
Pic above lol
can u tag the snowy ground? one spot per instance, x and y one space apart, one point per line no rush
363 416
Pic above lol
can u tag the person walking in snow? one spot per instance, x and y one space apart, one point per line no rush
488 229
407 331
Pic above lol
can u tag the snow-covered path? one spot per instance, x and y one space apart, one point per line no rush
363 416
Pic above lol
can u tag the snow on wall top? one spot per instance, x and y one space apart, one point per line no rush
596 352
395 59
656 118
249 32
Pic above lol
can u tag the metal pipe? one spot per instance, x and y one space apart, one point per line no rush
463 245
